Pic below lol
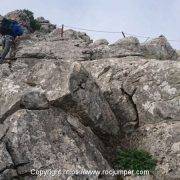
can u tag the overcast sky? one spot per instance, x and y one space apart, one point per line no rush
139 17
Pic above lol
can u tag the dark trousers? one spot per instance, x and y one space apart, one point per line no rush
7 44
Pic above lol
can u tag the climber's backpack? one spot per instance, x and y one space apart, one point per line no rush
10 27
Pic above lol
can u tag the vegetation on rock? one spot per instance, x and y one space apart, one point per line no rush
136 160
34 24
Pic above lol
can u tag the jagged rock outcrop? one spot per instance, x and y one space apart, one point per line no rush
153 87
69 103
53 46
46 26
82 48
63 84
133 85
128 46
50 139
159 48
100 42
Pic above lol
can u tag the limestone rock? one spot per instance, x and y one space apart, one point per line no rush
133 84
68 103
9 174
88 95
34 100
11 90
4 71
128 41
5 158
70 85
159 48
3 130
78 46
52 77
99 52
74 47
128 46
71 34
51 139
100 42
65 84
46 26
162 141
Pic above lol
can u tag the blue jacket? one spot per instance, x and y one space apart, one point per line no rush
12 28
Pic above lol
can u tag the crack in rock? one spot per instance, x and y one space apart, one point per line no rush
11 111
130 96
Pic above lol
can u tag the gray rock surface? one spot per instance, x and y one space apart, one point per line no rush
34 100
68 85
62 83
54 47
159 48
68 103
46 26
11 90
81 47
51 139
162 140
128 46
100 42
5 158
151 86
4 71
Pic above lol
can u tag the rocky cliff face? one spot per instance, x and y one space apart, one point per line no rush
68 103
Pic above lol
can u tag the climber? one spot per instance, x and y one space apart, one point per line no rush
10 31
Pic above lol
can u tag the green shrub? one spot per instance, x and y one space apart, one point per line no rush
135 160
34 24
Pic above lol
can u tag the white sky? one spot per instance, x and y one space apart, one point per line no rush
140 17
